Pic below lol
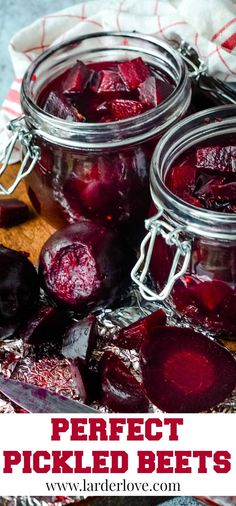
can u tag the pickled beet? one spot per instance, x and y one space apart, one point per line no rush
180 370
121 392
148 92
77 78
216 158
84 265
131 337
19 286
206 178
12 212
107 81
105 91
80 339
60 107
109 187
133 72
46 323
122 109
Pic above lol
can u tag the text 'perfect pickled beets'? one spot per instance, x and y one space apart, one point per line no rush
105 91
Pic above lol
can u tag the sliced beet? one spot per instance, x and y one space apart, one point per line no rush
181 178
148 92
180 370
217 158
77 78
121 392
211 294
80 377
60 107
217 194
46 323
8 329
80 339
84 265
133 72
122 109
108 81
132 337
12 212
19 285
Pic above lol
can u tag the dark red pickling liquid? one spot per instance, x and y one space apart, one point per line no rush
110 184
105 91
204 177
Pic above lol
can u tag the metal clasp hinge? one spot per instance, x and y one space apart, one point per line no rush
171 235
196 66
24 136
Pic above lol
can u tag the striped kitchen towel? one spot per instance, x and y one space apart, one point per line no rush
208 26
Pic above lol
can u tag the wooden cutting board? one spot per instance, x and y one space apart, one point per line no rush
31 235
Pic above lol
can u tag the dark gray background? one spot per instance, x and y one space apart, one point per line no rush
14 15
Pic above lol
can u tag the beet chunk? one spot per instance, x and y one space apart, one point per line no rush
77 78
148 92
60 107
133 72
121 392
12 212
131 337
84 265
45 324
181 179
79 340
180 370
108 81
123 109
19 286
217 158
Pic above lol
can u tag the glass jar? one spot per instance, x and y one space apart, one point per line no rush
113 158
191 251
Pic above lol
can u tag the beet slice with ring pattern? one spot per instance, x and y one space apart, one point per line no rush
184 371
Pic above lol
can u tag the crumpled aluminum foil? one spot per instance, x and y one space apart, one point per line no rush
38 501
53 371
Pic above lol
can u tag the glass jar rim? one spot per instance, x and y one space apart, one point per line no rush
187 133
52 128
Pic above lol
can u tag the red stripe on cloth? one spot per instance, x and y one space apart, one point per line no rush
224 62
82 18
226 77
230 43
83 11
11 111
163 28
118 15
36 48
13 96
43 32
223 28
155 7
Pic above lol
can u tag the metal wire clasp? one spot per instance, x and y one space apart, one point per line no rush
24 136
156 227
196 66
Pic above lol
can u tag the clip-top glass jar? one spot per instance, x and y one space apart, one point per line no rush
113 158
191 251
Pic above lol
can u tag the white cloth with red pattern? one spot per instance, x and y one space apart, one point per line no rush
209 26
